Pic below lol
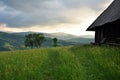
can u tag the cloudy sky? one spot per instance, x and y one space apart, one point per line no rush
50 16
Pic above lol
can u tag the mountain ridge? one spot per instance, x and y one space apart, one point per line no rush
15 41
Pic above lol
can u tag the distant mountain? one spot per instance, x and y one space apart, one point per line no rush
72 38
86 36
11 41
82 40
49 43
23 33
15 41
61 36
65 37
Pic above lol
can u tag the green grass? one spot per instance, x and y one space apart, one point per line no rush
62 63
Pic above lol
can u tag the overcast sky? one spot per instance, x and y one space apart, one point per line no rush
50 16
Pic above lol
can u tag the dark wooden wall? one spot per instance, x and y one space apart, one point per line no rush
110 32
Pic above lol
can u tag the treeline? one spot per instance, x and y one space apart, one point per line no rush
36 40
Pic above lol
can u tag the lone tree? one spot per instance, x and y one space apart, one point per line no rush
34 40
55 42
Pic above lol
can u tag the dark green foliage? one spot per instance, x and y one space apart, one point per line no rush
55 42
34 40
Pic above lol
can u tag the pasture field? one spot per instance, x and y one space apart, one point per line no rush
84 62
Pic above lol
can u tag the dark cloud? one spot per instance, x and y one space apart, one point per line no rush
19 13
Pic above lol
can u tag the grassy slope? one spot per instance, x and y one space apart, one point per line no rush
64 63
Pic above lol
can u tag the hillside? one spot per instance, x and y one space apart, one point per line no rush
59 35
62 63
82 40
85 39
15 41
63 36
11 41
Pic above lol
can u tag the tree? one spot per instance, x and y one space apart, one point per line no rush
29 40
55 42
34 40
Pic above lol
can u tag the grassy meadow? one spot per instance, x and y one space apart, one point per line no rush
85 62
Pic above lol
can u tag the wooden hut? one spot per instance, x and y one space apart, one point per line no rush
107 25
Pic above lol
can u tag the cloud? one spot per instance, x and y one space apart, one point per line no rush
33 12
65 28
42 12
77 26
10 15
70 16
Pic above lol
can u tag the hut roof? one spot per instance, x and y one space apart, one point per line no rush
112 13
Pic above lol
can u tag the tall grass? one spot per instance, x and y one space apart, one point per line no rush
61 63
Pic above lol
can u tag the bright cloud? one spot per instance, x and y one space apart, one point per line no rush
69 16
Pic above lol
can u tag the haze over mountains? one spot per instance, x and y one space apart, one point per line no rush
15 41
59 35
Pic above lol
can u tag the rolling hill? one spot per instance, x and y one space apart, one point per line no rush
15 41
10 41
82 40
66 37
61 36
